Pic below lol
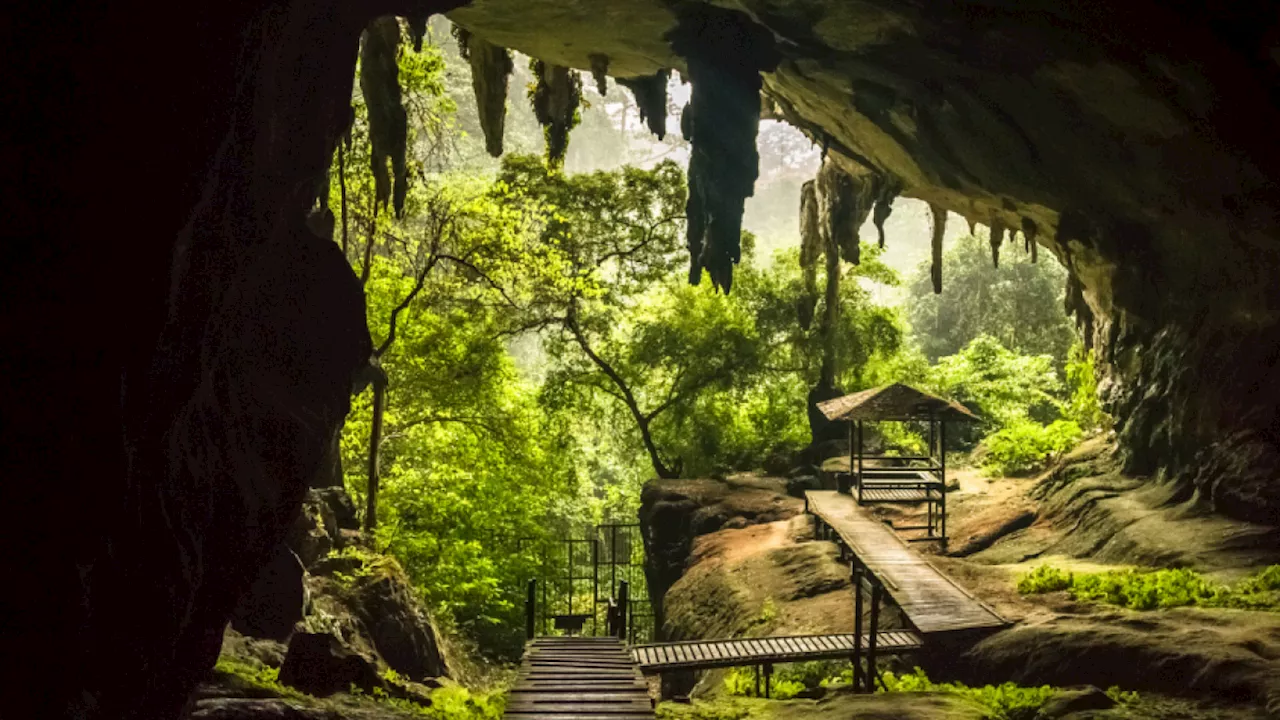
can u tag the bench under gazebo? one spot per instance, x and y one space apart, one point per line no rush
902 479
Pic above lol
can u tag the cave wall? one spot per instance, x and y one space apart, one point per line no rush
1133 139
179 345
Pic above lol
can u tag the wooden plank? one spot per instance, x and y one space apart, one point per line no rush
931 601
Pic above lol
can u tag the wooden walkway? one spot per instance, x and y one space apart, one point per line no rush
579 678
707 654
929 600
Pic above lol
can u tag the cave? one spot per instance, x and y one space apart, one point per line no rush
180 345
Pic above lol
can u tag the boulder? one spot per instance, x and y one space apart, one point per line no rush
1073 700
340 506
797 486
276 600
399 627
318 664
312 535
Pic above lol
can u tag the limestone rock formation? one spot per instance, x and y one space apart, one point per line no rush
1032 121
318 664
276 600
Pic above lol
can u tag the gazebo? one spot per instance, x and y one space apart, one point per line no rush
911 479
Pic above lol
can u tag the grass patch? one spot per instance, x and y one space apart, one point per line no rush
452 702
717 709
1007 701
1149 590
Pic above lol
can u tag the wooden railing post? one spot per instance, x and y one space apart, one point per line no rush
871 640
530 610
857 625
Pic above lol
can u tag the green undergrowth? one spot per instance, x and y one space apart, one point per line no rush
1149 590
1007 701
788 680
717 709
452 702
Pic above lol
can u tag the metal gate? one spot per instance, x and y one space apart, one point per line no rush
579 578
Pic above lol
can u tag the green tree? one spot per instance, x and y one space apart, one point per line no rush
1018 303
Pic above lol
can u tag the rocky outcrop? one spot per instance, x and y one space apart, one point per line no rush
674 512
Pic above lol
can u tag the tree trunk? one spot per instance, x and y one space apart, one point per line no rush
375 440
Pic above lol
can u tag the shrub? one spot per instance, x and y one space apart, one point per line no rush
1026 446
1044 579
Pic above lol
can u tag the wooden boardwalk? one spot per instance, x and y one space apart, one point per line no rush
930 601
707 654
579 678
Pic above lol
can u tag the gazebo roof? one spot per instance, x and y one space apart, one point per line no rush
894 402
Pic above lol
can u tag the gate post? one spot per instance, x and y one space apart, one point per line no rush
529 609
624 590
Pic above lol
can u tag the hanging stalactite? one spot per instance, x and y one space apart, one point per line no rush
937 228
650 92
839 207
556 95
388 122
1029 231
889 190
725 55
491 69
600 72
417 23
1075 304
811 245
997 238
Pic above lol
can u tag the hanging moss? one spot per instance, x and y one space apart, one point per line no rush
556 95
938 228
600 72
725 53
997 238
388 122
811 245
491 69
650 93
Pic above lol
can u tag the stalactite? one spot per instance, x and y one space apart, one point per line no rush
1029 231
997 238
937 228
556 95
811 247
973 225
417 29
725 54
388 122
491 70
600 72
884 206
840 210
1074 304
650 93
